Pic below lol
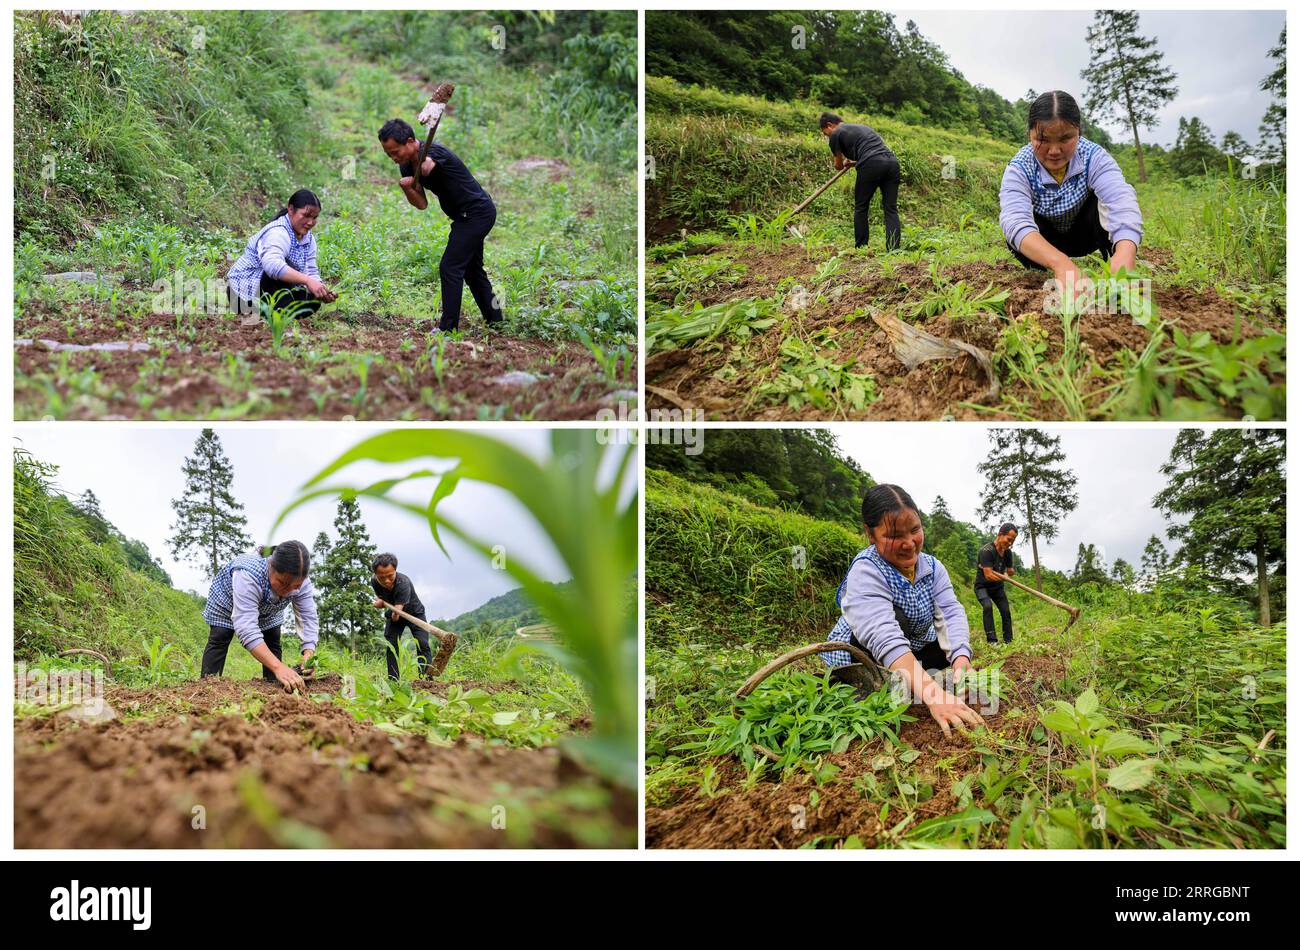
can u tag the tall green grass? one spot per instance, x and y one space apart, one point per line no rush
71 592
174 116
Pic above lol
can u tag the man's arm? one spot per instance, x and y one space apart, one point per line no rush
412 188
987 564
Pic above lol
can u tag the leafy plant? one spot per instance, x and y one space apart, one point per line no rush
796 718
672 326
581 498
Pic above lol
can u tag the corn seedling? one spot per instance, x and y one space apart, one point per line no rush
583 498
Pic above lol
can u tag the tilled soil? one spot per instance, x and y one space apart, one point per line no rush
214 366
221 763
695 375
762 817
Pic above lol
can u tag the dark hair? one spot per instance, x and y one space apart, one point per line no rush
302 198
398 130
1054 105
884 500
384 560
291 557
828 118
1008 527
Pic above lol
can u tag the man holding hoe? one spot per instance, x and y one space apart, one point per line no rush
996 564
397 591
464 201
877 167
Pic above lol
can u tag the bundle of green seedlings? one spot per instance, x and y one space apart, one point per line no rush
797 717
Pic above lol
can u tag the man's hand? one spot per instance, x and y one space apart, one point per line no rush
378 603
428 167
1010 571
289 680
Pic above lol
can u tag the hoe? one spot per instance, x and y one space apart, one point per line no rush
446 640
431 115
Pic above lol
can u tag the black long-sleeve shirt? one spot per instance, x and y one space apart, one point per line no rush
401 595
459 193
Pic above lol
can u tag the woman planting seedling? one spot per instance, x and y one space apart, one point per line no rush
1064 197
247 600
462 199
278 266
898 605
399 593
877 167
995 564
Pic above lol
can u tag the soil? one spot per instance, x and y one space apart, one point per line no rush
286 771
189 374
934 390
762 817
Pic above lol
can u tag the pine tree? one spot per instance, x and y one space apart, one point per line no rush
1126 76
96 524
1123 574
343 578
1025 474
1231 485
1194 152
1089 565
941 524
1235 146
209 528
1155 562
1272 129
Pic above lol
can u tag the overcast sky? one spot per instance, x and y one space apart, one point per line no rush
1219 58
1118 471
136 473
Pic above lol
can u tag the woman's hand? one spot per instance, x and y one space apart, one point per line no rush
1068 276
1124 257
307 654
960 667
289 680
949 711
318 289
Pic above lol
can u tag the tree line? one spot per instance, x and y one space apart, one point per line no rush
1224 500
863 61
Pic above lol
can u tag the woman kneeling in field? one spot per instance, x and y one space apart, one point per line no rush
1064 197
278 265
898 605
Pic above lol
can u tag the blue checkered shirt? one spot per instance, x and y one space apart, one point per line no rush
270 251
915 600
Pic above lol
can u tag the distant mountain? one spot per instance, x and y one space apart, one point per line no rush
504 613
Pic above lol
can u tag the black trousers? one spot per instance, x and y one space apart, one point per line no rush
882 173
1084 236
462 263
296 297
987 598
930 656
214 654
393 634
